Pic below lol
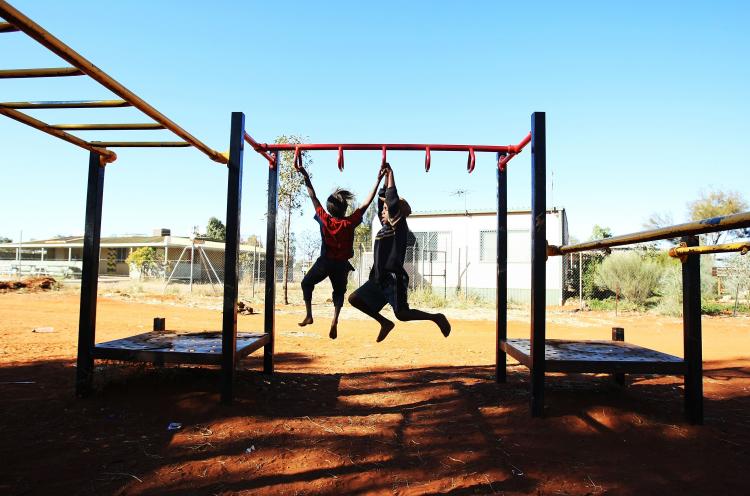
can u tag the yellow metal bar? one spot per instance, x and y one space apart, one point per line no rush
682 250
107 127
142 144
726 223
62 104
38 33
41 72
107 155
7 28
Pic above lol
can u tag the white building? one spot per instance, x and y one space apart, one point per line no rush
457 250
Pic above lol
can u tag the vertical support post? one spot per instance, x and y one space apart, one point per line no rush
691 322
501 292
231 257
269 326
618 334
580 279
89 277
538 259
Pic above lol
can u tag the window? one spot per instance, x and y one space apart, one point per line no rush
519 246
430 245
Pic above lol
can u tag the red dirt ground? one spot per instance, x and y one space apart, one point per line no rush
416 414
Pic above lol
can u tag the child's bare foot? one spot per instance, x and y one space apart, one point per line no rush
443 324
385 327
334 331
308 320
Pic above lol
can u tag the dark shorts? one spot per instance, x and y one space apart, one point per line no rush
336 270
392 290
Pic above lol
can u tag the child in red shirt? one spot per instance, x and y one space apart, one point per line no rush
336 248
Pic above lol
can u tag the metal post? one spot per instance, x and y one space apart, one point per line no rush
192 262
89 276
231 257
580 279
538 259
269 316
501 275
691 321
618 334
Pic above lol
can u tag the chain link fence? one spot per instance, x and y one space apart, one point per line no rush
644 278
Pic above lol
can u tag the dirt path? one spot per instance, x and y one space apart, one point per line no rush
417 414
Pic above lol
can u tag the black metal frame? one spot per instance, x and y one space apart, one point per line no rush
128 349
541 355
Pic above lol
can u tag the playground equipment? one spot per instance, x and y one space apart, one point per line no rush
223 348
537 353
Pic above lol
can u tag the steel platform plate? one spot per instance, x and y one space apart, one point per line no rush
597 356
177 347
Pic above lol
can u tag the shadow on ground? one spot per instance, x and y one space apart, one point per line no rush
444 430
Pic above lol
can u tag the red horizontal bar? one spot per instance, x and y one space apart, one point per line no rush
509 150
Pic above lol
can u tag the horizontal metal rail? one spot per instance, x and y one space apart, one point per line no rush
142 144
108 127
7 28
725 223
66 105
45 38
107 155
506 151
683 250
389 146
39 73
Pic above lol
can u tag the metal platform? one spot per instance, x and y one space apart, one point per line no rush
161 347
596 357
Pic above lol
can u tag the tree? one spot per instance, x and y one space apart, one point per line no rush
216 230
146 260
253 240
363 232
3 239
657 220
717 203
599 232
291 193
309 244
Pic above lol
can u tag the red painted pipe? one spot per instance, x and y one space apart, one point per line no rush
427 159
341 158
471 162
385 161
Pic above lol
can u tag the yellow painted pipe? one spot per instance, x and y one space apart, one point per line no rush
108 127
45 38
725 223
62 104
142 144
40 72
682 251
107 155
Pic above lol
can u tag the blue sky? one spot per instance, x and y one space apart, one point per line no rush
646 104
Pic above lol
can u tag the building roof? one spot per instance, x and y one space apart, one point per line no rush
453 213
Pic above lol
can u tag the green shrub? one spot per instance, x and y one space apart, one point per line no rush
632 276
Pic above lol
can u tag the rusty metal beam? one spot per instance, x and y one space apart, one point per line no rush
107 155
684 250
40 72
142 144
45 38
108 127
725 223
62 104
7 28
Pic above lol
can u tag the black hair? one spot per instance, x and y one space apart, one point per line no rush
338 202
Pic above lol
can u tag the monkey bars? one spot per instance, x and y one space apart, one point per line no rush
16 21
505 152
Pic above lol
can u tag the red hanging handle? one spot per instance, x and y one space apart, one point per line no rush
382 164
427 159
341 158
296 160
471 162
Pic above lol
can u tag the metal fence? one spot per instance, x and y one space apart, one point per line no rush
645 278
